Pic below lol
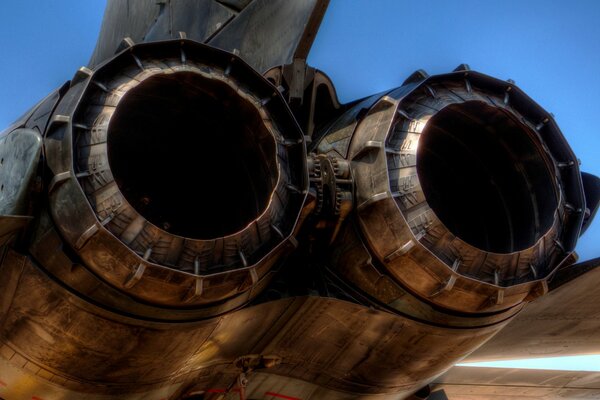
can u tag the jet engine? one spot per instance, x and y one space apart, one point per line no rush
467 196
176 223
177 175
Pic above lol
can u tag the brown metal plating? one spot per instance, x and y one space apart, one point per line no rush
340 345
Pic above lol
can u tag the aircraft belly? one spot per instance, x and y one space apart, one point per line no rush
55 337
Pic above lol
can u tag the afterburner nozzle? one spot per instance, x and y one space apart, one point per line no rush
468 195
192 169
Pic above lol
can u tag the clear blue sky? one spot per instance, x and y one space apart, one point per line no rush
550 48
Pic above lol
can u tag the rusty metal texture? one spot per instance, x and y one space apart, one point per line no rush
139 253
195 216
333 341
404 232
509 383
565 322
309 92
20 152
265 33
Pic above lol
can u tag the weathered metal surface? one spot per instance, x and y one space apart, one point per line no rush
564 322
309 92
20 152
139 253
341 346
11 226
37 117
198 20
268 33
508 383
404 231
352 262
336 139
265 33
236 4
591 185
175 181
50 250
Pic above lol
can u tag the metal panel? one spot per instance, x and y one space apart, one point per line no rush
200 20
507 383
129 18
265 33
335 344
19 155
565 322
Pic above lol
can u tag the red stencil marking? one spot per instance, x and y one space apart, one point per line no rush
215 391
281 396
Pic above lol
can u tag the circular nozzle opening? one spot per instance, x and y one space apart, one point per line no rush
485 177
192 155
